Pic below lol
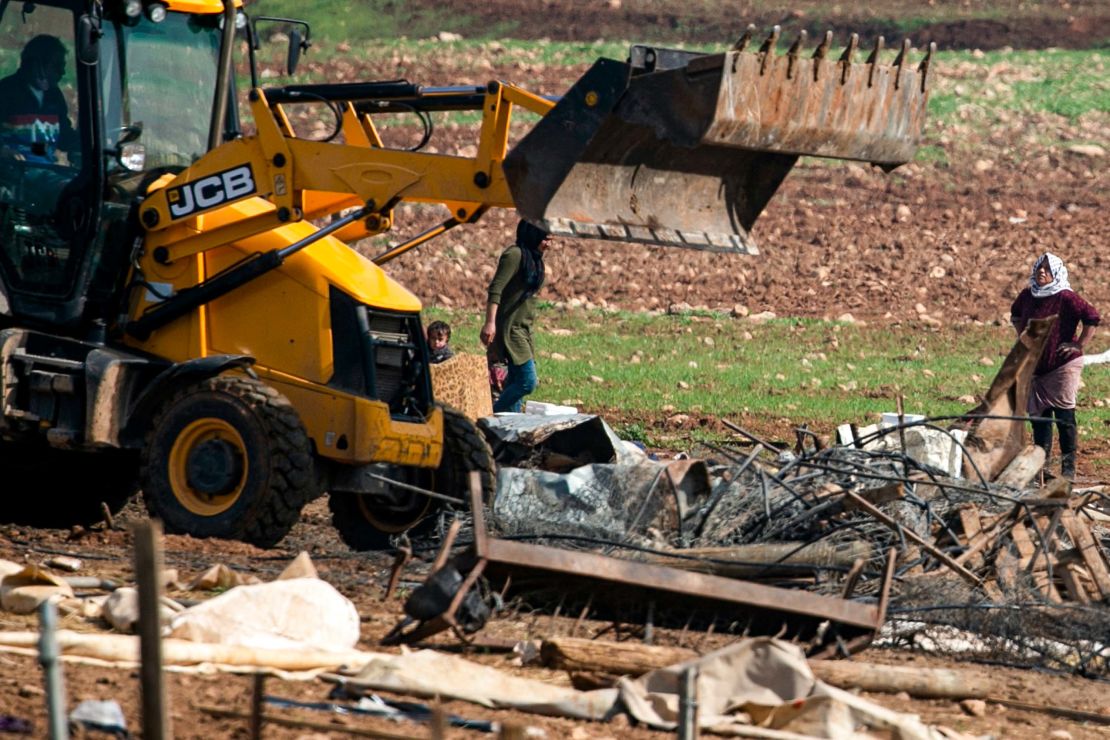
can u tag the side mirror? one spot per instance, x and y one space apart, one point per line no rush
88 40
296 45
130 154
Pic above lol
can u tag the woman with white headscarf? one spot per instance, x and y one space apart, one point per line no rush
1056 377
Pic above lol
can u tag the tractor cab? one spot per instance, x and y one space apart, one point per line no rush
99 100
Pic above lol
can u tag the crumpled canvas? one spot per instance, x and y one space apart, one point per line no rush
431 674
758 686
766 683
285 613
24 590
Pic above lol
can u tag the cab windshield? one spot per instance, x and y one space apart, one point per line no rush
161 76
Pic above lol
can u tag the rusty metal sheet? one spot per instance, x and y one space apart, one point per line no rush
864 620
680 582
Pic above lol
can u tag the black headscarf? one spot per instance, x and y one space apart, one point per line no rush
528 238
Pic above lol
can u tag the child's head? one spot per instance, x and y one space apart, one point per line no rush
439 334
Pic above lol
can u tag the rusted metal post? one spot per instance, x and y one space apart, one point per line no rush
148 574
901 423
688 704
50 659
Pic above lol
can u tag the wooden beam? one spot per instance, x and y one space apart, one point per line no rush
915 537
1092 555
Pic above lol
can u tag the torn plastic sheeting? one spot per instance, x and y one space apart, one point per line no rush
595 501
583 438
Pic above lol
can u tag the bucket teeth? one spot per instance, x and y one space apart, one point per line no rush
900 60
768 46
691 154
850 49
822 49
923 68
745 39
796 47
793 52
873 59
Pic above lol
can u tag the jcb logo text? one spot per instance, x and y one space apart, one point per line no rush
218 188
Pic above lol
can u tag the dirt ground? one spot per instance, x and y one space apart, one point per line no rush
929 246
362 578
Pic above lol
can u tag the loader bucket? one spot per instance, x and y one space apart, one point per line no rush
684 149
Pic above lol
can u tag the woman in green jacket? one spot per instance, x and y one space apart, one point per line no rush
510 308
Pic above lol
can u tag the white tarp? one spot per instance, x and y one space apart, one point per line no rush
303 612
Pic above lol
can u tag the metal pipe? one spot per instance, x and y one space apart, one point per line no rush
688 704
223 78
50 659
416 241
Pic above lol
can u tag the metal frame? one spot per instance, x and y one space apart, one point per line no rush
491 551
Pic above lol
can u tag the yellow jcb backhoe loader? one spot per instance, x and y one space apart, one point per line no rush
171 317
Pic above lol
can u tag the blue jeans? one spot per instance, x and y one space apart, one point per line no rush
520 382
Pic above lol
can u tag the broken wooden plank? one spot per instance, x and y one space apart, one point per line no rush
1025 466
988 535
878 496
598 656
915 537
1006 568
1073 584
969 519
1092 554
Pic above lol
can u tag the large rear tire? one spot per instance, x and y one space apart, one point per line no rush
48 487
228 457
369 522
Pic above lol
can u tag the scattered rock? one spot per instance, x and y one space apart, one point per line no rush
739 311
449 36
968 399
558 356
903 213
676 309
1060 735
1087 150
986 361
974 707
683 385
846 318
762 316
596 379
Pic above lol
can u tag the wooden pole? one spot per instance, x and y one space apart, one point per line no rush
258 689
148 570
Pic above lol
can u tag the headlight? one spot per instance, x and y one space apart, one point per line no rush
132 8
156 12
